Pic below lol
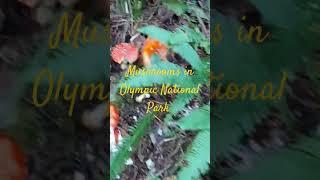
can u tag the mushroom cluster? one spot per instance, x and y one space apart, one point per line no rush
126 52
122 54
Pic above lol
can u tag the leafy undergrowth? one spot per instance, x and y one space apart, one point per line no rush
174 144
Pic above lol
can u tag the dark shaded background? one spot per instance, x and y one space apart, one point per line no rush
55 145
252 140
267 139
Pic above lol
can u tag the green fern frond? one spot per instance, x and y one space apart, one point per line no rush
177 41
118 159
198 158
196 38
198 119
157 33
189 54
178 104
178 7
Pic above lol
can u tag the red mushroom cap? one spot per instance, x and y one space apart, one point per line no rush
12 160
124 51
114 116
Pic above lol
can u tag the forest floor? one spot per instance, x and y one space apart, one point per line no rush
60 147
156 154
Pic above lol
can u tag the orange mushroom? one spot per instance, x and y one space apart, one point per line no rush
124 51
114 121
114 116
152 46
12 160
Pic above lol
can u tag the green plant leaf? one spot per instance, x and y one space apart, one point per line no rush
198 158
198 119
176 6
199 12
189 54
157 33
179 37
196 38
178 104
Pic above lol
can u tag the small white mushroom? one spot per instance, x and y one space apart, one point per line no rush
160 132
135 118
150 164
129 162
124 66
140 98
